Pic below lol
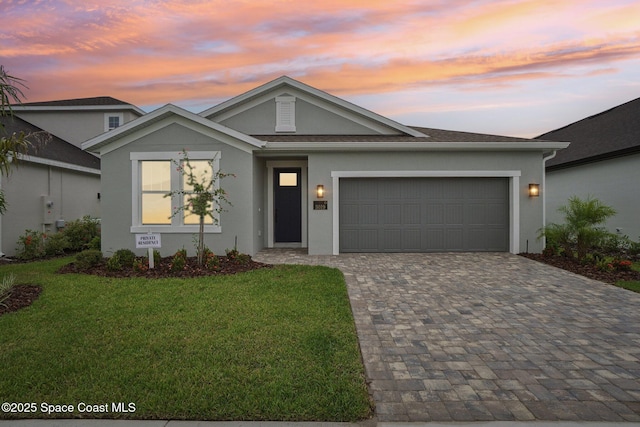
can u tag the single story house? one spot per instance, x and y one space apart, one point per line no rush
603 162
315 171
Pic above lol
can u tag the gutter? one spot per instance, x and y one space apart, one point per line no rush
320 146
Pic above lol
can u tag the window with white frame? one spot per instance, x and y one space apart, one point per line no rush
154 175
113 120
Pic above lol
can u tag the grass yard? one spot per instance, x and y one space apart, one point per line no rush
270 344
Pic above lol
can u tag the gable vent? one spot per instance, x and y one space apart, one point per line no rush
285 114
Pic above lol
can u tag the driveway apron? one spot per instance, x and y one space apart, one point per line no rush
489 337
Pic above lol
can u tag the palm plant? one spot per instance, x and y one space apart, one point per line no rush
582 229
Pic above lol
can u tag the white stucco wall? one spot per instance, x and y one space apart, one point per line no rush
614 182
74 195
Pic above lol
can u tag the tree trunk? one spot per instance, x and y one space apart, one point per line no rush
201 241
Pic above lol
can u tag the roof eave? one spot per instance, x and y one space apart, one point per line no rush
18 108
96 144
285 80
414 146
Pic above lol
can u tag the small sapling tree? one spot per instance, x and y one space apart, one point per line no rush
201 195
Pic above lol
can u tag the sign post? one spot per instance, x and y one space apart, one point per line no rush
149 241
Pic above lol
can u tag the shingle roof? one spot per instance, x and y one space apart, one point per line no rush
612 133
434 135
78 102
55 149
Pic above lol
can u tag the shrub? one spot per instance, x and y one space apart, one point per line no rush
30 245
87 259
581 229
179 260
55 244
237 257
211 261
6 287
95 243
114 263
81 232
125 256
141 265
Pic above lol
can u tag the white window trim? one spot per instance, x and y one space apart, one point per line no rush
136 200
281 103
120 117
514 195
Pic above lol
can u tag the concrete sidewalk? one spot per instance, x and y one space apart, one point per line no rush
368 423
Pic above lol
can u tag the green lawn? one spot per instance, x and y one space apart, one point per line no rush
271 344
632 285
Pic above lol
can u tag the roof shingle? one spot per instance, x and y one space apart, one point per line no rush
55 149
612 133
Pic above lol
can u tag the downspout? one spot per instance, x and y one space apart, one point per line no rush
544 192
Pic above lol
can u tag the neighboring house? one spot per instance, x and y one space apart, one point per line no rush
603 161
56 181
76 120
386 187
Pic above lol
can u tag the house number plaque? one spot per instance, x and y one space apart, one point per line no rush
320 205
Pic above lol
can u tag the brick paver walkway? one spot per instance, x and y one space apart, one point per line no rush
493 336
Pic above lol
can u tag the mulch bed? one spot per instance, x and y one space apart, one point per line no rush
21 296
163 269
587 270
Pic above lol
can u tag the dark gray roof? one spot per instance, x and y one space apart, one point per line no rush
433 135
55 149
612 133
78 102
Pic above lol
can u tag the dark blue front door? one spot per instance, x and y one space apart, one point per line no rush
288 205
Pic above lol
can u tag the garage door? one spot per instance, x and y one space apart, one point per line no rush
424 214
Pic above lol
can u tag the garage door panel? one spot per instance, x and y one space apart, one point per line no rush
412 239
392 214
423 214
411 214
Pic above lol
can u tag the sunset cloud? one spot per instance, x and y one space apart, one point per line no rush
180 51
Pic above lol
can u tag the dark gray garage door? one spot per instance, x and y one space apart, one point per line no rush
424 214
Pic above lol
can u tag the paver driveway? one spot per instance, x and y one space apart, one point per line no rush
491 336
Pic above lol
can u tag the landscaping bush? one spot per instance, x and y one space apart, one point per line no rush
126 257
581 231
179 260
88 259
30 245
81 232
114 263
55 244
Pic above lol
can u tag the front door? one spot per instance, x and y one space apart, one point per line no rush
287 205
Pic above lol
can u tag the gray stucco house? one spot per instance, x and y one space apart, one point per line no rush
386 187
57 181
603 161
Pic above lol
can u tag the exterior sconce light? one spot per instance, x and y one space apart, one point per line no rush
320 191
534 190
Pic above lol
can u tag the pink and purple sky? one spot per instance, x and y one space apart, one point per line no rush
507 67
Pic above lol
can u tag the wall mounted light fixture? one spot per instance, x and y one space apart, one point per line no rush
320 191
534 190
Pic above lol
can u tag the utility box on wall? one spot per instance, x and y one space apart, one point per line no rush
47 210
